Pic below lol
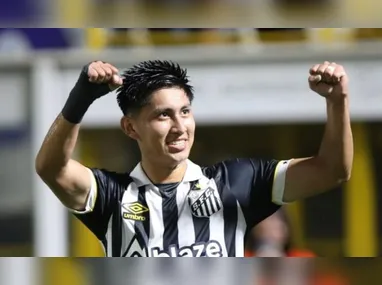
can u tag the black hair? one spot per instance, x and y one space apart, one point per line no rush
144 78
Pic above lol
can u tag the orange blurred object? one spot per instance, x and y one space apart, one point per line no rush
290 253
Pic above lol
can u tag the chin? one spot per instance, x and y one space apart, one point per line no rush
178 158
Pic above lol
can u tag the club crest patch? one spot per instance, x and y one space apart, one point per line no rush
204 199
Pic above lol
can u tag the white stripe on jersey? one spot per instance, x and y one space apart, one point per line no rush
186 232
217 224
128 230
240 230
109 237
154 203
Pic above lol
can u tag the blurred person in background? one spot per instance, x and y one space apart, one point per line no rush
272 238
168 206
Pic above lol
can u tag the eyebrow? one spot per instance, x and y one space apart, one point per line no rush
159 110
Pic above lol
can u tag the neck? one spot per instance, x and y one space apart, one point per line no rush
159 174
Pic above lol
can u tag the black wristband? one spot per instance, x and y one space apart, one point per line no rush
83 94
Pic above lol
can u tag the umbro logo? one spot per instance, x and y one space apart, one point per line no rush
134 211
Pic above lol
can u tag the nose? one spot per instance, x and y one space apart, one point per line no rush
179 125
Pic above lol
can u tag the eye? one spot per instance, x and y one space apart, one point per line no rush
186 111
163 115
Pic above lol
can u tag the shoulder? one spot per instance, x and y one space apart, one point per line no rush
239 167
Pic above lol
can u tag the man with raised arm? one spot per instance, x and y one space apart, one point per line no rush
168 206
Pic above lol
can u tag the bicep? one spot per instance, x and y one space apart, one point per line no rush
72 185
306 177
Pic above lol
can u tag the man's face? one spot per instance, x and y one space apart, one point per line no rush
165 128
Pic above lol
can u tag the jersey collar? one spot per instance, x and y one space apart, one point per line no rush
193 173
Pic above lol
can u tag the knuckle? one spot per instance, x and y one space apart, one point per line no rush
108 72
92 73
104 65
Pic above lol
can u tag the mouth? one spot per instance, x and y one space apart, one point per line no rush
177 142
177 145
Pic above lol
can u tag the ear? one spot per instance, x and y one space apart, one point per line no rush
128 127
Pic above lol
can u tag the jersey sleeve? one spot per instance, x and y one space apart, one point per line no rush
258 186
102 199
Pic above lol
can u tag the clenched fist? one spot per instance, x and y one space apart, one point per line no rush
96 80
329 80
101 72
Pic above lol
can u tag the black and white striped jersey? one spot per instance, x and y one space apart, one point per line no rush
208 213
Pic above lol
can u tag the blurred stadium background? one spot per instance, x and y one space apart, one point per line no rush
252 99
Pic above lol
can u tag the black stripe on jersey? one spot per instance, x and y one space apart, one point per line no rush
142 228
201 225
116 232
201 228
230 221
104 243
170 214
230 213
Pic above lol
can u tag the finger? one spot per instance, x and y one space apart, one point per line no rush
108 73
93 75
117 80
314 69
320 87
339 73
328 73
101 74
113 68
321 69
315 79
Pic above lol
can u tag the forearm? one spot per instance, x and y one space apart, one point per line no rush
336 150
69 180
58 146
59 143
